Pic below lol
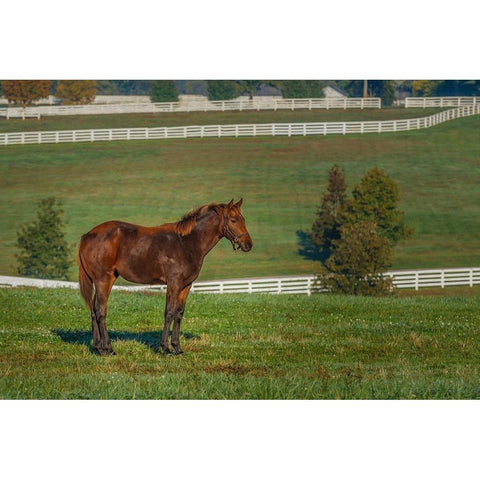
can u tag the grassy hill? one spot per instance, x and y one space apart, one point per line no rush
281 180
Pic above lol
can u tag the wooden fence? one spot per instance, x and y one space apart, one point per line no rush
301 284
424 102
196 106
247 130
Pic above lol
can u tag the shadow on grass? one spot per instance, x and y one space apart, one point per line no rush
150 339
308 250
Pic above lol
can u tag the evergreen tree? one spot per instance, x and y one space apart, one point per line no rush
44 253
164 91
359 260
221 89
325 229
375 199
357 235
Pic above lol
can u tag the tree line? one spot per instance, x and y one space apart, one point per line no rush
74 92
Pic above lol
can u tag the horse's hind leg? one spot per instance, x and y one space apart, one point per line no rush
101 339
174 308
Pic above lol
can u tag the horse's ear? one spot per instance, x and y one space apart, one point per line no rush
239 203
230 205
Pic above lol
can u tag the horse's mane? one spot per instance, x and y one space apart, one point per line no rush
186 224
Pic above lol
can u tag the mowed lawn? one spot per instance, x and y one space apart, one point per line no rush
281 179
243 347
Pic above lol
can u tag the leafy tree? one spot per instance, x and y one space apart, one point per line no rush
44 253
76 92
164 91
359 260
423 88
385 89
375 199
457 88
221 89
326 227
249 86
25 92
302 88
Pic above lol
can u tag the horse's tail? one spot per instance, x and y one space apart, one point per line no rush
85 280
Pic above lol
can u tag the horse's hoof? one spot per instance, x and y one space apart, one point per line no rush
166 351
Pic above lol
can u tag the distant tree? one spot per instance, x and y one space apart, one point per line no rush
302 88
221 89
76 92
326 227
384 89
423 88
249 87
164 91
44 253
25 92
457 88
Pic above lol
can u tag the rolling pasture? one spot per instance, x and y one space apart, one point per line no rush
281 180
243 347
247 346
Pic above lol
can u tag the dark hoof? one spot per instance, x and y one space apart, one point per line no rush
166 351
179 352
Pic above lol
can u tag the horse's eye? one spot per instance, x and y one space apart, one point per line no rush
233 221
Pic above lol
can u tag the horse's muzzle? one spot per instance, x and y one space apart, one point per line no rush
246 245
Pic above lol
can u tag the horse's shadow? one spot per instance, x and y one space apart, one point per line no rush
151 339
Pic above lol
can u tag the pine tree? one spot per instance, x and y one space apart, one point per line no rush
357 235
375 199
221 89
164 91
330 214
44 253
359 260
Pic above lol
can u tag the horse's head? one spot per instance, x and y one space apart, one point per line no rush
234 228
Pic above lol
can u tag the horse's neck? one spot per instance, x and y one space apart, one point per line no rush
206 233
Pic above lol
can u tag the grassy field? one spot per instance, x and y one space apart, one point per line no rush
243 347
281 179
143 120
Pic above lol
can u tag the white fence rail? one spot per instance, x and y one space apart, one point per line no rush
196 106
301 284
247 130
424 102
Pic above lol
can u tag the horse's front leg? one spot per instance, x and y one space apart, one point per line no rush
174 308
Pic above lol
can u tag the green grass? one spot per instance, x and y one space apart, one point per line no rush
243 347
282 181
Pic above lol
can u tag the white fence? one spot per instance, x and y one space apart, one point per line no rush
424 102
196 106
246 130
301 284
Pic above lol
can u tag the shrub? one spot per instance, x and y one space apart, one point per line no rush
44 253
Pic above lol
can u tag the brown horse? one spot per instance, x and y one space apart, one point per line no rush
170 254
